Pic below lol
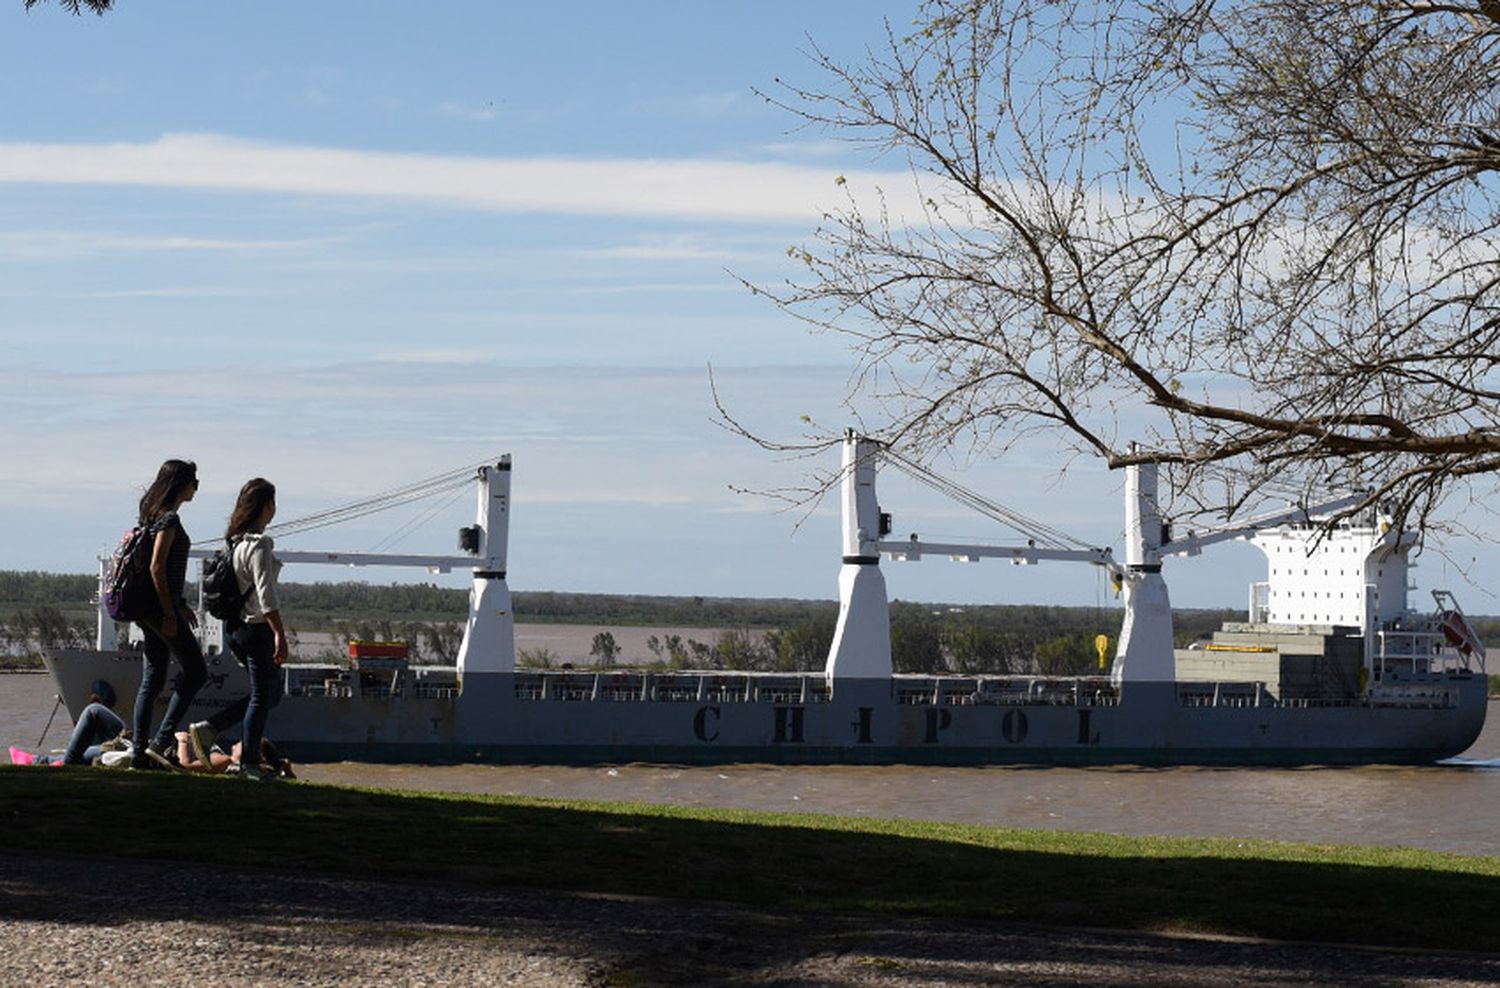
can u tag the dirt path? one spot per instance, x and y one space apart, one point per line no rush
67 921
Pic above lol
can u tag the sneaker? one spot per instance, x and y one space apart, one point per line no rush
200 736
141 761
19 757
160 756
252 773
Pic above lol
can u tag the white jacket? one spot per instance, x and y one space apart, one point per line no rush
257 570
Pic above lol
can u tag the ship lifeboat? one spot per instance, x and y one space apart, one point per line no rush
1458 633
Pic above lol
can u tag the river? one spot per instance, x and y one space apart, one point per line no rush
1450 807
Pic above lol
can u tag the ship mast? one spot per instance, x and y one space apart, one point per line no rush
862 639
489 643
1145 652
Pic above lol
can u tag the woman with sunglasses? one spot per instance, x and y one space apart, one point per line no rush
169 634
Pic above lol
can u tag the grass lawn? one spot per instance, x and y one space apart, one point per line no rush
774 861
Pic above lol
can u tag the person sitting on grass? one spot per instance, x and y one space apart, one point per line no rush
221 762
97 724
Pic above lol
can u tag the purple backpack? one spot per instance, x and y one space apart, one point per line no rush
128 593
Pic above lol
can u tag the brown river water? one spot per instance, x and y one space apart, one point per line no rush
1448 807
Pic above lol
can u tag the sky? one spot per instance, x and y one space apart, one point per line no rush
347 246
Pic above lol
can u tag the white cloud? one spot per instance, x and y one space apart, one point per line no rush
675 188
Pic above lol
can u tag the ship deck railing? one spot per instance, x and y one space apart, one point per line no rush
1025 690
328 680
794 689
672 687
1414 695
797 689
1433 696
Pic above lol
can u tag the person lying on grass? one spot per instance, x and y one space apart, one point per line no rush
217 761
98 729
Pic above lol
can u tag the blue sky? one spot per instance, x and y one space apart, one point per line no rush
350 245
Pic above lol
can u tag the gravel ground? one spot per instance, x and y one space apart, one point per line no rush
68 921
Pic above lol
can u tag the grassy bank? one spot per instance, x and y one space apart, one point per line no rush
766 860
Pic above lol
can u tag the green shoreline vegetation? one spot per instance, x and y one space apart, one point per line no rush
782 862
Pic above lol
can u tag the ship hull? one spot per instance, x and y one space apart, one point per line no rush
510 718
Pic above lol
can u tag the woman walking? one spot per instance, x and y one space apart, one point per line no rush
258 638
170 633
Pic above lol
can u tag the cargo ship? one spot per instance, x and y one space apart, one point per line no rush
1331 667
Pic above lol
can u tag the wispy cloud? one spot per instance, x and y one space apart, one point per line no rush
463 111
686 248
673 188
696 106
57 244
664 288
451 355
196 292
329 433
591 481
104 88
806 149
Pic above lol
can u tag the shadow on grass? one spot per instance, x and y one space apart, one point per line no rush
765 861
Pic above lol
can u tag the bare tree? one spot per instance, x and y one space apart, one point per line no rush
1258 237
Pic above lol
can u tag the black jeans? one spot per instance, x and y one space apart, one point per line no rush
159 650
255 644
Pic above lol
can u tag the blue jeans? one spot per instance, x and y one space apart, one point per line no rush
231 715
96 725
255 644
158 651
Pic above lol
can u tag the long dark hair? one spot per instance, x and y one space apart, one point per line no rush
254 496
272 758
174 478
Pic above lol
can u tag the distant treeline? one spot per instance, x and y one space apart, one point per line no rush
69 591
743 633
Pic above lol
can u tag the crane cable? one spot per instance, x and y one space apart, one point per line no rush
1038 532
444 483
